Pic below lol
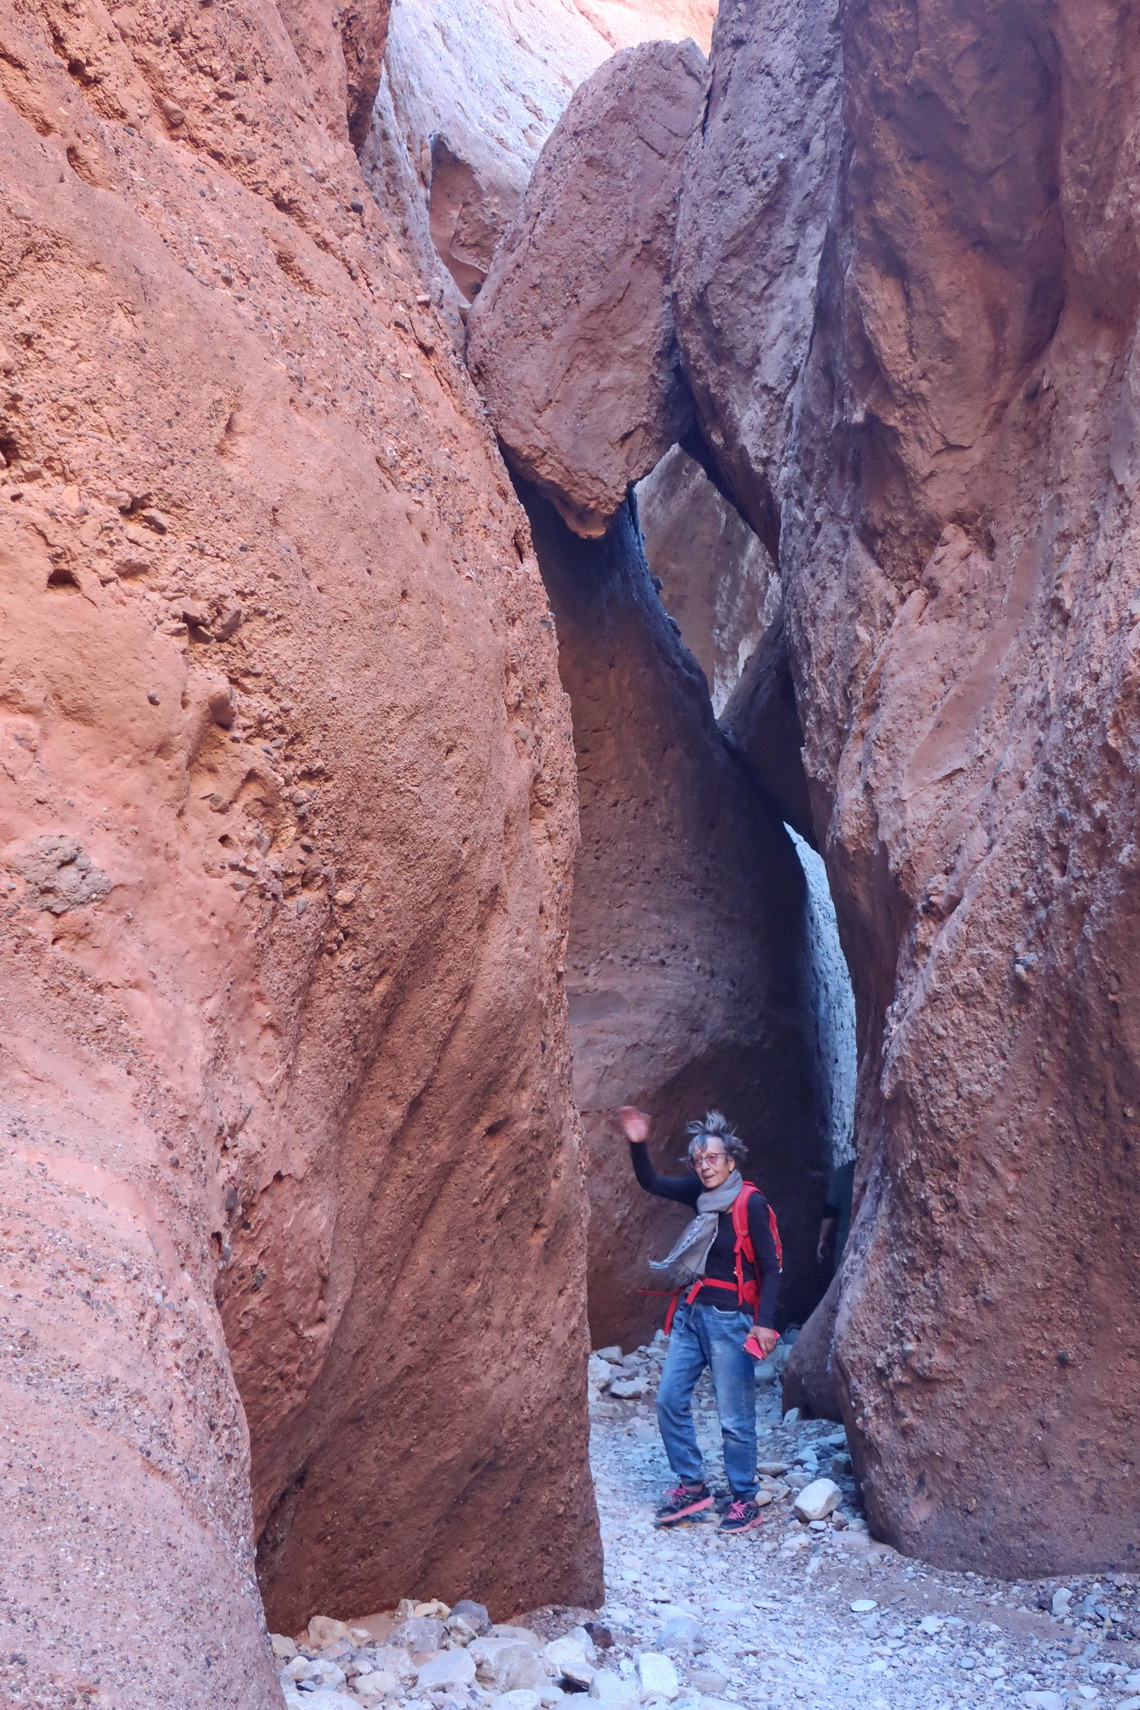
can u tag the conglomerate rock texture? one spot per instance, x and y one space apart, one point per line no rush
952 477
292 1192
571 339
688 973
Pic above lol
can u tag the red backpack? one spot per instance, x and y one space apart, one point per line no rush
747 1290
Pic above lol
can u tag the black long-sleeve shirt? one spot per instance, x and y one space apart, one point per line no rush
721 1262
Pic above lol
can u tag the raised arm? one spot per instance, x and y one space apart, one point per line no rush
684 1189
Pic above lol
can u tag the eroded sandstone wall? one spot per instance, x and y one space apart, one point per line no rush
285 841
687 970
952 476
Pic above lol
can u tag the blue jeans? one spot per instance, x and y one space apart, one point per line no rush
705 1336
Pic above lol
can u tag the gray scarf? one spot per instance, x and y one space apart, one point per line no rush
690 1255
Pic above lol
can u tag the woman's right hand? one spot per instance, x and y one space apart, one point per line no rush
634 1122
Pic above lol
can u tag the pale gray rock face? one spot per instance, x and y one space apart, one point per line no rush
571 340
718 581
471 91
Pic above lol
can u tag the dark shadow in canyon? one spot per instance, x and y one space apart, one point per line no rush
689 975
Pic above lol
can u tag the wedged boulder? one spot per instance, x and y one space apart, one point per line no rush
286 828
809 1379
468 99
688 968
955 535
571 339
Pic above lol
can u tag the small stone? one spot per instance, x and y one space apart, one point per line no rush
508 1665
772 1469
1061 1601
152 697
707 1680
614 1692
681 1630
419 1633
506 1630
792 1416
1042 1701
516 1701
863 1605
598 1372
228 624
155 520
475 1614
345 899
818 1499
818 1526
283 1648
657 1675
1129 1704
930 1624
613 1354
222 709
356 205
1131 1682
432 1606
600 1634
630 1388
446 1672
570 1657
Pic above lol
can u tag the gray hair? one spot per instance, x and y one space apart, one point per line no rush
715 1127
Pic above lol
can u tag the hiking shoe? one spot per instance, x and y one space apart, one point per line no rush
683 1503
742 1516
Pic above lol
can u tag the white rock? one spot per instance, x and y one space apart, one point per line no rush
657 1675
730 1606
629 1388
864 1606
930 1624
323 1630
614 1355
376 1684
1131 1682
1061 1600
445 1671
324 1699
612 1691
572 1657
1042 1701
504 1630
516 1701
507 1665
598 1372
1129 1704
818 1499
681 1630
283 1648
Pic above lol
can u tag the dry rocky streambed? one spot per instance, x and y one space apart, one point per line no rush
799 1612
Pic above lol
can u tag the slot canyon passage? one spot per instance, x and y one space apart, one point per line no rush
557 553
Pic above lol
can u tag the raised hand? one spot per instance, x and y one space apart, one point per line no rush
634 1122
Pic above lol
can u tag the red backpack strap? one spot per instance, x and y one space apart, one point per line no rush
750 1291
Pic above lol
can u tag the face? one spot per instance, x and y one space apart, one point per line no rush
712 1165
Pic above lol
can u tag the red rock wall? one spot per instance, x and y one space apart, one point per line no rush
687 968
285 842
954 497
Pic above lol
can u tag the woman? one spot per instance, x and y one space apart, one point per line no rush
724 1261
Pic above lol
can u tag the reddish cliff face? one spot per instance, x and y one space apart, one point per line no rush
954 496
285 843
687 973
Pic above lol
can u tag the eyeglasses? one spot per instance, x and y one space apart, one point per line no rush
713 1158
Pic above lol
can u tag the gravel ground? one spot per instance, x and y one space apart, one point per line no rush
775 1607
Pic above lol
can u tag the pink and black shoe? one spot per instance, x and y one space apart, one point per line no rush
742 1516
684 1503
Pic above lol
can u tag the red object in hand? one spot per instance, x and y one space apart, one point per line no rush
760 1341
